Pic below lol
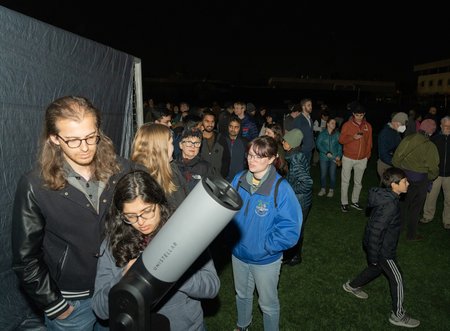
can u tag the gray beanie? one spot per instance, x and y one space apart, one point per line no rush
400 117
294 137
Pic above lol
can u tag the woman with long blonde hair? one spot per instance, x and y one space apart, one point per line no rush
153 148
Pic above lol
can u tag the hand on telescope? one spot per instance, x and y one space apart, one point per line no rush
128 266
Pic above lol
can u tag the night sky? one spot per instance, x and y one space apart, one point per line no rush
251 41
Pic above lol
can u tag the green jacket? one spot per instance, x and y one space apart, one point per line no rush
417 153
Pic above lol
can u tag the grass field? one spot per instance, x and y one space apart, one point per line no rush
311 293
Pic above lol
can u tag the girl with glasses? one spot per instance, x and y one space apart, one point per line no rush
269 223
138 211
191 166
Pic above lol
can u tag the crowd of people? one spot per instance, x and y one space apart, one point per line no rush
84 215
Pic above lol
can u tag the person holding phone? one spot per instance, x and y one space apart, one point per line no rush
356 139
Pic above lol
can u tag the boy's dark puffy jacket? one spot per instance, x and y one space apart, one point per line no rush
384 225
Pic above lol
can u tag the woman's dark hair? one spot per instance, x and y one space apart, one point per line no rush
124 240
330 118
263 146
192 132
392 175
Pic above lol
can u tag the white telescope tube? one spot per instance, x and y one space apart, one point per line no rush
188 232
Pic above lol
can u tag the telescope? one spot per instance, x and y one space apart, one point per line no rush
192 227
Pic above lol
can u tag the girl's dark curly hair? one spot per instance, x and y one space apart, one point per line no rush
124 240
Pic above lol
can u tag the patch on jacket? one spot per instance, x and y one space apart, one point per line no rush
261 208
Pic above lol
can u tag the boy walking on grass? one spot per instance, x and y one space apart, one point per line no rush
380 243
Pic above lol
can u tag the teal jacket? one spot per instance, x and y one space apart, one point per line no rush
265 231
329 143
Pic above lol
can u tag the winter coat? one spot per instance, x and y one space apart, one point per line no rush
56 237
329 143
442 143
356 149
302 123
383 228
388 141
194 170
265 231
249 130
416 153
182 306
218 156
237 149
299 177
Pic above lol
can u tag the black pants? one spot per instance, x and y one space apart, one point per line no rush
412 205
394 275
297 249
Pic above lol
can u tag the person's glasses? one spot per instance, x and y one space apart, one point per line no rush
146 214
189 143
75 143
255 157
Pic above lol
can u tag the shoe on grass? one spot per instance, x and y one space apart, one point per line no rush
297 259
322 192
406 321
356 206
416 238
344 208
424 220
357 292
330 193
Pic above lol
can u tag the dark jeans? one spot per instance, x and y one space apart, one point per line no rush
327 167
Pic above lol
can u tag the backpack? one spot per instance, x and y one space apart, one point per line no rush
275 194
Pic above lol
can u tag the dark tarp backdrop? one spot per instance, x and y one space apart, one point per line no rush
39 63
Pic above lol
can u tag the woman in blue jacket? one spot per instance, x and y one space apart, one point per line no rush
268 223
330 153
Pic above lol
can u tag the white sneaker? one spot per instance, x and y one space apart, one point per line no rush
406 321
322 192
330 193
357 292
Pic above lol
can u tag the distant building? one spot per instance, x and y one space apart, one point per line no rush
433 81
433 78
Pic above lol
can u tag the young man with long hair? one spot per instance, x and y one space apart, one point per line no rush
58 213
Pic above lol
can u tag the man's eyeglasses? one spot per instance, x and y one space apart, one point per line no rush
146 214
254 157
75 143
189 143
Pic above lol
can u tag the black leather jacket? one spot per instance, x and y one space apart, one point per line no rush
56 236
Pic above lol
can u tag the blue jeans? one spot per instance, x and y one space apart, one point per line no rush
82 318
327 167
265 278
